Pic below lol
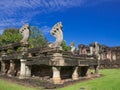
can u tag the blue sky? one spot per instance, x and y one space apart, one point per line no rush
84 21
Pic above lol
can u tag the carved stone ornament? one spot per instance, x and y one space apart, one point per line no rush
58 34
96 48
72 48
24 30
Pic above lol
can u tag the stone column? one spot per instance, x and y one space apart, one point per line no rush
75 75
11 68
80 51
22 69
88 73
110 55
3 70
114 57
56 75
91 50
28 71
84 51
96 67
2 66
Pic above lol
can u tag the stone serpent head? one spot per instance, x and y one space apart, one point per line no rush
58 34
24 30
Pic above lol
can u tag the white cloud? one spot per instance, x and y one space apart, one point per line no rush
12 6
46 29
17 12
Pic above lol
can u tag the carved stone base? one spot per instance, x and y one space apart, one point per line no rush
56 75
96 70
28 72
25 71
22 77
3 67
11 71
75 75
22 69
88 73
57 80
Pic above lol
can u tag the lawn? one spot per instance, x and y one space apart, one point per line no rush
4 85
110 81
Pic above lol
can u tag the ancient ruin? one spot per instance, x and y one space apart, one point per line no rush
52 62
108 57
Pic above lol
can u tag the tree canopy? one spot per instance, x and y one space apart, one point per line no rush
64 46
12 35
9 35
36 37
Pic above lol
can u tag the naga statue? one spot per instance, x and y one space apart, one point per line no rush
24 30
95 49
72 45
57 32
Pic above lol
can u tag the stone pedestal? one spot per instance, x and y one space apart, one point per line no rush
96 70
80 51
28 72
75 75
91 50
114 57
2 66
22 69
88 73
56 75
11 69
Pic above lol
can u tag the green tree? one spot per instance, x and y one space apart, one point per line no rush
12 35
64 46
9 35
36 37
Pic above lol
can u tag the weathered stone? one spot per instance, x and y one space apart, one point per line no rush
58 34
88 73
22 69
114 57
82 49
75 75
56 75
28 72
24 30
96 70
96 48
72 48
11 70
51 57
91 50
58 58
2 66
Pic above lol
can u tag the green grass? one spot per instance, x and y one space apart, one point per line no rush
111 81
4 85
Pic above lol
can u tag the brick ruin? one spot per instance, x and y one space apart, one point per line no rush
52 62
